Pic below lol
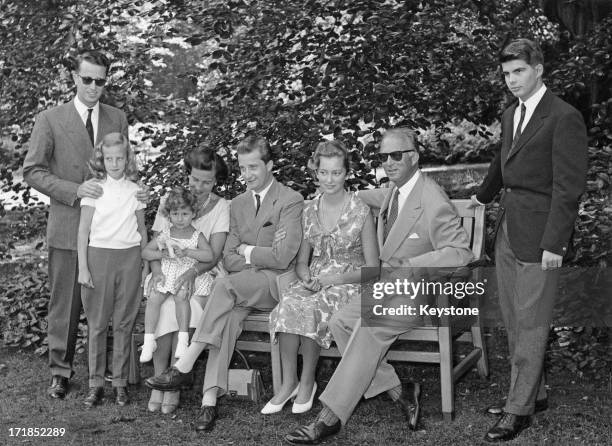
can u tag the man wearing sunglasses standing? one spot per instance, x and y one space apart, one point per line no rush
60 147
418 229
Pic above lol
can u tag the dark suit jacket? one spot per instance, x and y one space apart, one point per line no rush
281 207
542 179
56 164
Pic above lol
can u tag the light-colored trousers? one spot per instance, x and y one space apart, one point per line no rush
231 300
363 369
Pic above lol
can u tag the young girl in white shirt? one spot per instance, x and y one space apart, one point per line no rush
111 236
185 247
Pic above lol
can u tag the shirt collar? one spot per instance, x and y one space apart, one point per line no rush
111 181
534 100
263 193
82 108
405 190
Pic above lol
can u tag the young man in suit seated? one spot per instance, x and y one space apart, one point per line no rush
418 228
253 259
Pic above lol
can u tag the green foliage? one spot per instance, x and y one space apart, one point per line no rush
24 297
586 77
459 141
582 350
298 71
23 306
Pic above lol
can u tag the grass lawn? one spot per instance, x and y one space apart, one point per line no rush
580 412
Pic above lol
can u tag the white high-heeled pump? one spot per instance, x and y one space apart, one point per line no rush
305 407
273 408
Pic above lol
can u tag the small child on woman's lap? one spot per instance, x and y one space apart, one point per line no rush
186 247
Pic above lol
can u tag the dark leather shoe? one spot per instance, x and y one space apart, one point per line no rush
94 397
58 387
312 433
410 402
121 396
540 406
171 380
206 419
508 427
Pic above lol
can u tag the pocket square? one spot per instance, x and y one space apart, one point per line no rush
266 224
414 235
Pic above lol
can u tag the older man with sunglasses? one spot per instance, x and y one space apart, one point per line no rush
60 147
418 230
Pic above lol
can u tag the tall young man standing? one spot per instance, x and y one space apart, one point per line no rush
541 171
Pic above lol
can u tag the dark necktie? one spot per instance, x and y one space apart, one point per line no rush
517 134
89 126
392 216
258 199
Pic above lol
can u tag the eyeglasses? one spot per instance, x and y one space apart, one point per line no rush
88 80
395 156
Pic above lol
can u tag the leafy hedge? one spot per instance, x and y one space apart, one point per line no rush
24 296
296 71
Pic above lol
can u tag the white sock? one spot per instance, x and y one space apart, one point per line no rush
182 345
210 397
187 361
149 346
183 337
182 366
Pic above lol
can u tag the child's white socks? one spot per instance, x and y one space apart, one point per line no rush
148 347
182 344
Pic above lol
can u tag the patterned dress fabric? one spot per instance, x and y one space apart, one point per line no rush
214 221
173 268
334 251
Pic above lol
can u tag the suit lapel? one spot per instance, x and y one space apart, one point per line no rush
507 131
267 204
406 220
106 124
381 219
537 120
75 129
247 209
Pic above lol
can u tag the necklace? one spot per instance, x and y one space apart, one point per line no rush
322 212
206 202
345 196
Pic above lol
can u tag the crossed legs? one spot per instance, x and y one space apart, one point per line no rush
230 302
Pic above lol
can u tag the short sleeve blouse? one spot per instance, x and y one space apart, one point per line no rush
216 220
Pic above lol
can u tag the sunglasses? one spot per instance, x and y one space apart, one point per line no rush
395 156
88 80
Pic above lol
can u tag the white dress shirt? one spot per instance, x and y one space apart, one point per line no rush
530 106
404 191
82 110
262 195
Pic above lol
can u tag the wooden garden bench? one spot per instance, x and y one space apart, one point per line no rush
443 334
